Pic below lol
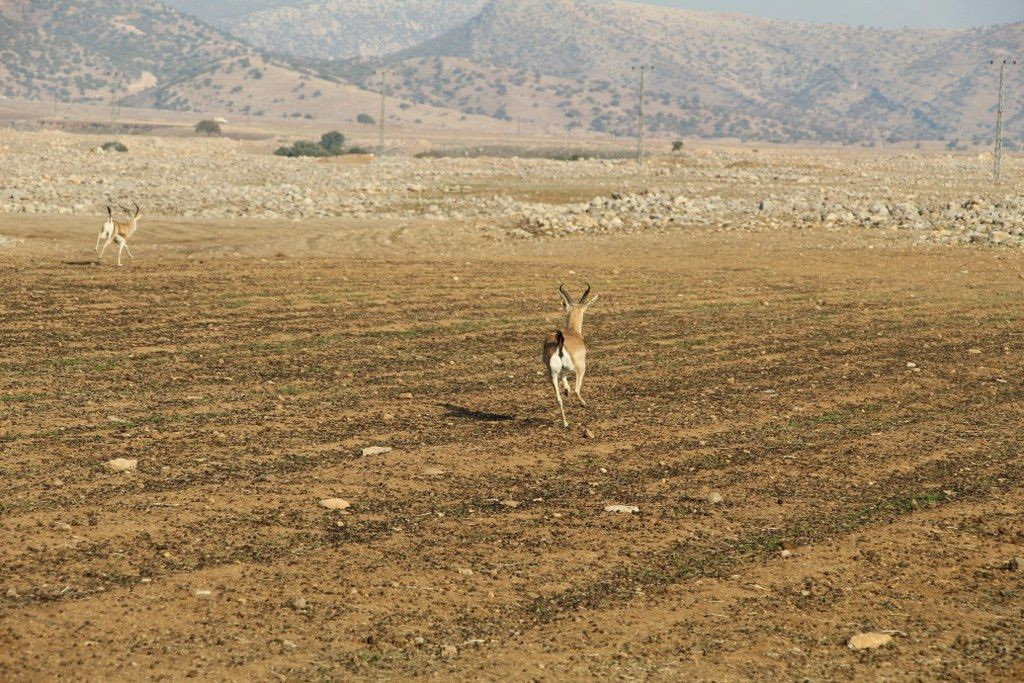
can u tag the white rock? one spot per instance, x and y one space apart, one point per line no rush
869 641
335 504
630 509
714 497
121 465
376 450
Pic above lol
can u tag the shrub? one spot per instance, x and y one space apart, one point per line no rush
303 148
332 141
209 127
365 118
677 146
330 145
113 146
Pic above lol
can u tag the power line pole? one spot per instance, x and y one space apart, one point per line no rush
115 89
643 69
999 117
383 73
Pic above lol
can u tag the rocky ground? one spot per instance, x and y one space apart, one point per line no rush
939 198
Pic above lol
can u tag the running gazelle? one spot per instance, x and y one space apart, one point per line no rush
565 351
118 231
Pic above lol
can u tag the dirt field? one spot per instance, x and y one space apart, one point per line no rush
856 402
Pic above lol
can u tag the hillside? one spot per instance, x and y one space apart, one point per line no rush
542 65
70 49
226 10
337 29
715 74
168 60
254 85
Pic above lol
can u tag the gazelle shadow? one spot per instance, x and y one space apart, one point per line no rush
470 414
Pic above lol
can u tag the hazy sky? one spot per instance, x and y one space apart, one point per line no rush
889 13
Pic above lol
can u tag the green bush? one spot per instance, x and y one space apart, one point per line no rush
365 118
332 141
209 127
113 146
304 148
677 146
331 145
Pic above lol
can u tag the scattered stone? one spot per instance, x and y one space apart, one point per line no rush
298 604
405 395
465 571
786 553
510 503
449 651
122 465
13 593
204 593
588 434
715 498
869 641
376 450
630 509
433 471
1015 564
335 504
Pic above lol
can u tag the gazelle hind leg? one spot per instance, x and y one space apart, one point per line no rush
580 371
128 251
105 245
123 245
558 394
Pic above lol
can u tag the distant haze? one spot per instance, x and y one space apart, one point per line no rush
887 13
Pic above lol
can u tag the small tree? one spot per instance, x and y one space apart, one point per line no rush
365 118
208 127
113 146
677 146
332 142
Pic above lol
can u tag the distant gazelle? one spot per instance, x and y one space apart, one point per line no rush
565 351
118 231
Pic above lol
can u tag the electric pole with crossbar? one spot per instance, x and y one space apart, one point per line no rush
999 116
383 73
643 69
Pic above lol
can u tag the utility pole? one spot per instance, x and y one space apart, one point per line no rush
115 90
643 69
383 73
999 117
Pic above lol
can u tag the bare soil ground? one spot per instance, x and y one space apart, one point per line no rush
246 366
